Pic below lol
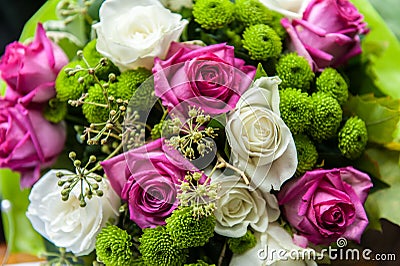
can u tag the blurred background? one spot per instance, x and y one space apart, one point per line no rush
14 14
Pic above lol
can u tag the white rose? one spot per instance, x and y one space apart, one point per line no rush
274 247
239 207
176 5
132 33
65 223
288 8
261 144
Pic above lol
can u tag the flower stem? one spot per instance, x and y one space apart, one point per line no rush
223 163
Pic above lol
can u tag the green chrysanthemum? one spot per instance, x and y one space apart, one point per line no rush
93 58
295 109
199 263
277 26
213 14
252 12
242 244
71 87
326 116
143 99
95 113
113 246
353 138
187 231
307 154
128 82
159 249
332 83
55 111
262 42
295 72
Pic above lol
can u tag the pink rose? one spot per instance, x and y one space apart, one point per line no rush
327 35
28 142
209 77
147 179
31 70
324 205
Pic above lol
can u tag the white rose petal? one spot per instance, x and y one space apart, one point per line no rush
288 8
261 144
176 5
132 33
65 223
277 246
239 207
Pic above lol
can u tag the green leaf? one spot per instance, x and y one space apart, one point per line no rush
381 50
24 238
260 72
381 116
3 86
385 203
46 12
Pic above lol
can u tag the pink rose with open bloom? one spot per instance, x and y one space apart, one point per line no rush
28 142
146 178
324 205
209 77
31 70
327 35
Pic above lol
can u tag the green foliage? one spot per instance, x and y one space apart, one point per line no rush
381 116
242 244
326 116
295 72
129 81
188 231
113 246
213 14
332 83
295 109
262 42
384 203
252 12
353 138
199 263
307 154
159 249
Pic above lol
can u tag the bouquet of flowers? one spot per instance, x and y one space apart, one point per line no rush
206 132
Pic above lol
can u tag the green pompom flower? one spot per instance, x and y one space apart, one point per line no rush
71 87
242 244
277 26
159 249
93 58
295 72
113 246
252 12
353 138
262 42
143 99
326 116
199 263
307 154
295 109
55 111
187 231
213 14
332 83
91 108
128 82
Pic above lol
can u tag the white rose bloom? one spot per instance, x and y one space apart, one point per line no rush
288 8
239 207
65 223
132 33
261 144
275 247
176 5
